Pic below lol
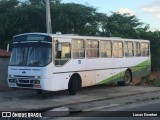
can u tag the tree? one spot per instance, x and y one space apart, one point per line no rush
121 25
155 49
41 3
6 7
30 16
24 17
75 18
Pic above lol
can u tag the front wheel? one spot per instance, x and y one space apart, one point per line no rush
39 92
72 87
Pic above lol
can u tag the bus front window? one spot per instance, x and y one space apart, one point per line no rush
31 54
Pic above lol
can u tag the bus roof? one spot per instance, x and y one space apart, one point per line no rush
72 36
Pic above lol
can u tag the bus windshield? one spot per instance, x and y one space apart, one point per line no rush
31 54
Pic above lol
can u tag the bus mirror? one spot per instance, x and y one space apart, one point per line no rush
7 47
59 47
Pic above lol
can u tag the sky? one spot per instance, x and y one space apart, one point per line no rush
147 11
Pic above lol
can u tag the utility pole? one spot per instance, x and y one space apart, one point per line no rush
48 17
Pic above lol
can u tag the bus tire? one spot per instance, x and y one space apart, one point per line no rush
79 83
39 92
127 79
72 87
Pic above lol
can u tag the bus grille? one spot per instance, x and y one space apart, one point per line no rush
25 85
24 81
17 76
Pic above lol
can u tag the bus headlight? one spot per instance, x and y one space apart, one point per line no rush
10 76
13 81
35 81
38 77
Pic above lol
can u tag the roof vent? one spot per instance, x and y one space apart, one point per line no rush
58 33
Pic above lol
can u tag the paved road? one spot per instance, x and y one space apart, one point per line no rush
141 109
27 100
89 99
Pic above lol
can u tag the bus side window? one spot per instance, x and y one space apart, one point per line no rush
62 53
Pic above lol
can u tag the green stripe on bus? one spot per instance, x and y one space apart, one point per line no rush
142 66
108 80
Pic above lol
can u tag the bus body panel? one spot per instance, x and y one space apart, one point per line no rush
92 71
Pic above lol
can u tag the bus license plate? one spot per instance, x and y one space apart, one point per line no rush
12 85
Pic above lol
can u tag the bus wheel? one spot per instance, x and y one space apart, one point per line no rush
72 87
39 92
127 79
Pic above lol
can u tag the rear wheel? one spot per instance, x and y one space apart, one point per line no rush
127 79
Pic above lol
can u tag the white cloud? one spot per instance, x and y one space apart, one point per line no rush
126 11
153 8
152 13
156 2
150 9
158 16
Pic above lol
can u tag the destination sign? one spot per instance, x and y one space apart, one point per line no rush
32 37
35 37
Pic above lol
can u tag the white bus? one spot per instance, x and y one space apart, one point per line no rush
57 62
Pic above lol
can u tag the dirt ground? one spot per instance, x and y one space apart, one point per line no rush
155 75
153 80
